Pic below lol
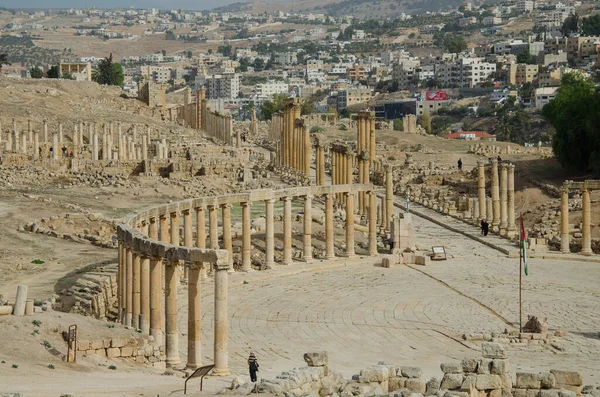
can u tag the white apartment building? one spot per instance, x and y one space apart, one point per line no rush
404 73
491 20
271 88
524 6
286 58
223 86
544 95
158 74
464 73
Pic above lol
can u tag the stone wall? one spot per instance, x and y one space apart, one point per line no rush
141 350
488 376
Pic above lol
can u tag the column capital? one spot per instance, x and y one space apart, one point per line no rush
271 201
564 189
286 198
162 216
152 219
481 163
494 161
308 197
186 211
195 265
350 193
173 214
199 208
225 205
246 204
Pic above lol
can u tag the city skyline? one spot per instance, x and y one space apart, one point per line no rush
162 4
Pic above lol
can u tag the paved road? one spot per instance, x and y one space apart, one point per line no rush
363 313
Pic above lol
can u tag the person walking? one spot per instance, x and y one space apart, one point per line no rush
460 164
485 227
253 366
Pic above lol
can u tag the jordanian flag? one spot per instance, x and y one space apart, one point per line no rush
523 239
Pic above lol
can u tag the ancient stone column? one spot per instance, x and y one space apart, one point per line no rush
135 319
503 199
188 236
20 301
269 234
287 231
56 148
129 286
372 223
495 197
490 211
23 148
333 166
476 215
246 237
307 151
164 229
174 230
586 241
350 224
238 139
172 331
389 196
481 188
156 307
144 147
221 354
308 228
94 147
511 230
36 145
60 133
45 131
564 220
194 359
145 295
200 227
213 232
372 144
322 165
121 263
329 231
227 243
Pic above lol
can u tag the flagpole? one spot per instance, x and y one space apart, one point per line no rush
521 287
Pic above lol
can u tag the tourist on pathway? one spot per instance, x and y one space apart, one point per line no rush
485 227
253 365
499 159
460 164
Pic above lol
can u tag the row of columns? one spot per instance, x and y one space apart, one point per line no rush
218 126
295 148
500 207
342 167
144 306
365 146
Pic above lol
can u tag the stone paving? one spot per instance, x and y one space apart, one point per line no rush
412 315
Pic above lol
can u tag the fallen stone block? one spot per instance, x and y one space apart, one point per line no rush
316 359
451 381
493 350
416 385
527 380
411 372
451 368
570 378
487 382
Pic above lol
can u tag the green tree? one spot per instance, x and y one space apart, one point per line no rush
398 124
426 122
574 114
570 25
225 50
110 73
455 44
53 72
169 35
271 107
3 60
259 64
307 108
591 25
526 57
67 76
36 73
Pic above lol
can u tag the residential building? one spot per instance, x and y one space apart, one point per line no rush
356 73
544 95
81 71
286 58
491 20
271 88
158 74
352 96
524 6
471 136
404 73
550 78
223 86
522 73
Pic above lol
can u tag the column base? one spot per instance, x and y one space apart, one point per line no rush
173 362
328 257
350 255
270 264
128 319
287 262
373 253
586 253
220 372
250 270
193 366
308 259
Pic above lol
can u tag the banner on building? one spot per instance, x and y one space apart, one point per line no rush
436 95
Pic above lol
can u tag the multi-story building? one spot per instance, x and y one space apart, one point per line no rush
352 96
464 73
223 86
81 71
356 73
549 78
524 6
404 73
158 74
286 58
491 20
544 95
271 88
522 73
